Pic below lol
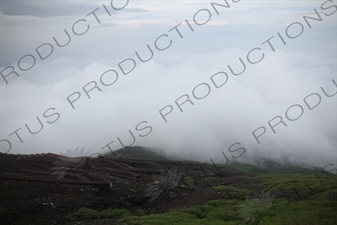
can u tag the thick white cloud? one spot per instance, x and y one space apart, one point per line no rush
229 114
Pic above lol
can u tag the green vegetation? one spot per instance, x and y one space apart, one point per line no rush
189 181
214 213
141 212
235 192
236 208
94 214
256 208
324 195
300 182
230 212
302 212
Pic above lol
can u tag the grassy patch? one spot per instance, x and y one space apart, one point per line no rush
94 214
259 210
141 212
227 212
235 192
303 213
325 195
215 212
87 213
223 203
299 181
189 181
177 217
172 217
199 211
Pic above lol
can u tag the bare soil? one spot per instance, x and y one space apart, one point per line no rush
32 194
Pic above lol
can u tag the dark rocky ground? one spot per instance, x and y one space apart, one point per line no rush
48 188
31 195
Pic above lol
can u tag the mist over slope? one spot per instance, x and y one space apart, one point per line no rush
249 81
259 165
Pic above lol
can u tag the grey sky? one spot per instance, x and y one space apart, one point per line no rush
229 114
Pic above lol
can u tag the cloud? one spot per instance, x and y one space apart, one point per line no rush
200 131
60 8
43 9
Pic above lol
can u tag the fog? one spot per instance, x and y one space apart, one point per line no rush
185 99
